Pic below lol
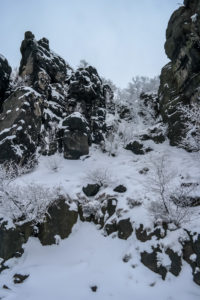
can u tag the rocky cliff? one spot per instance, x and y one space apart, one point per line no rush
45 93
180 78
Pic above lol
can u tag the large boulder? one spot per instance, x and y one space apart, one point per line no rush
76 136
150 260
5 71
12 239
58 223
91 189
180 78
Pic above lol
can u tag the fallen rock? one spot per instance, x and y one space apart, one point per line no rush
125 229
12 239
91 189
19 278
120 189
58 222
137 148
150 261
94 288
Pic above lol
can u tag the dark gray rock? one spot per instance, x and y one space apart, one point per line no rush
5 71
94 288
120 189
176 262
111 206
39 64
179 80
111 228
125 229
150 261
76 136
149 107
192 247
59 221
19 278
156 134
91 189
20 124
87 94
143 235
137 148
12 239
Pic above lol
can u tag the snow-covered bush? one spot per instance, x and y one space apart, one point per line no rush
191 117
173 203
23 203
111 143
26 203
10 170
126 132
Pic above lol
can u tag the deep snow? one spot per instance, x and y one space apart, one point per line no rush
68 271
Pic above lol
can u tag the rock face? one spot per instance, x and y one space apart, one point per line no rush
88 95
20 125
180 78
5 71
39 64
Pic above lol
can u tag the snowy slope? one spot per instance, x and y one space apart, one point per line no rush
87 259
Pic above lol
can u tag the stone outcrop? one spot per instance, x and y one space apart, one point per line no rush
58 223
180 78
20 124
87 94
39 65
5 71
50 107
12 239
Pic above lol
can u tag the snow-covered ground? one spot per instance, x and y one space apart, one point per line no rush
70 176
87 259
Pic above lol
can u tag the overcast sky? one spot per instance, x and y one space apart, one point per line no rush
121 38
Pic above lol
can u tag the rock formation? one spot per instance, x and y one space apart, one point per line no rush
38 114
180 78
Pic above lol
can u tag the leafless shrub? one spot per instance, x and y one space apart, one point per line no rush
173 204
28 203
23 203
133 203
191 117
101 176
